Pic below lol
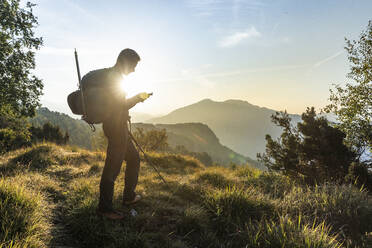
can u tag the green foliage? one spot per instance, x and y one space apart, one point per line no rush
19 87
49 133
20 217
14 131
359 175
314 151
78 131
11 140
352 104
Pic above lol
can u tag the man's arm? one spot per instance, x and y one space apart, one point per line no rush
131 102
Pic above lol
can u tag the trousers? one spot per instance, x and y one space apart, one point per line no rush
120 147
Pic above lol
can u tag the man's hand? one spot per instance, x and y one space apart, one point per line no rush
143 96
131 102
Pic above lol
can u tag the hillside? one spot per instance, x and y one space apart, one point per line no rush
78 130
198 137
48 197
238 124
194 136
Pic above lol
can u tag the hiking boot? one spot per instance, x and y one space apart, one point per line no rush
136 199
112 215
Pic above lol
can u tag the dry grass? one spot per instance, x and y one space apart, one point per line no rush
56 190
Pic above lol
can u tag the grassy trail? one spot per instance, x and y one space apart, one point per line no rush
49 195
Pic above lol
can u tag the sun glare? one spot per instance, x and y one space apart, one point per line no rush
136 83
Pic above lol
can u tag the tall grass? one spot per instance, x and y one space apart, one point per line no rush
22 222
198 207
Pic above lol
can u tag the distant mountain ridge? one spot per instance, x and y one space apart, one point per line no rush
238 124
196 137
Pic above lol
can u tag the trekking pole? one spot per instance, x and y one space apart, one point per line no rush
146 158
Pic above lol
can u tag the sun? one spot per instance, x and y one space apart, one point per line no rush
136 83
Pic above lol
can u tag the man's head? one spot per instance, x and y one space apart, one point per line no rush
127 61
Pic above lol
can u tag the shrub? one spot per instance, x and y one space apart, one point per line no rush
152 140
13 130
359 175
11 139
50 133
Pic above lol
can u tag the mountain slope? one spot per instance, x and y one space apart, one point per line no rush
195 137
79 132
238 124
198 137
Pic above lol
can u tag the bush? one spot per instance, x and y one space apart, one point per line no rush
21 222
152 140
359 175
12 140
50 133
14 131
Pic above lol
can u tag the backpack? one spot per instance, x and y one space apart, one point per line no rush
94 96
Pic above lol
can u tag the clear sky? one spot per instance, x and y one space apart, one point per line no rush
280 54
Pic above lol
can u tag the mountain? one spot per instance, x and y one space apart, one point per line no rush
195 137
198 137
238 124
141 117
78 130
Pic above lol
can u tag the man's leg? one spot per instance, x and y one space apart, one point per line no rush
117 142
131 172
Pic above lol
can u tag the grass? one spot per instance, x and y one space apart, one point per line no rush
49 196
22 222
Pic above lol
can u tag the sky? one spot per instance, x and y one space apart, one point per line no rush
279 54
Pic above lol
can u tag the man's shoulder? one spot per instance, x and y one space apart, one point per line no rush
100 77
97 73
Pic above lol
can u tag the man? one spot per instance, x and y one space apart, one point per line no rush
115 128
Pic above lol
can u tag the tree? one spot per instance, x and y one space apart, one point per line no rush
353 103
49 132
14 130
313 150
19 88
152 140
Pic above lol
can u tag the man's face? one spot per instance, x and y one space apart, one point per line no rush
128 67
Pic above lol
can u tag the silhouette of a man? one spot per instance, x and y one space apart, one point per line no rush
115 128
